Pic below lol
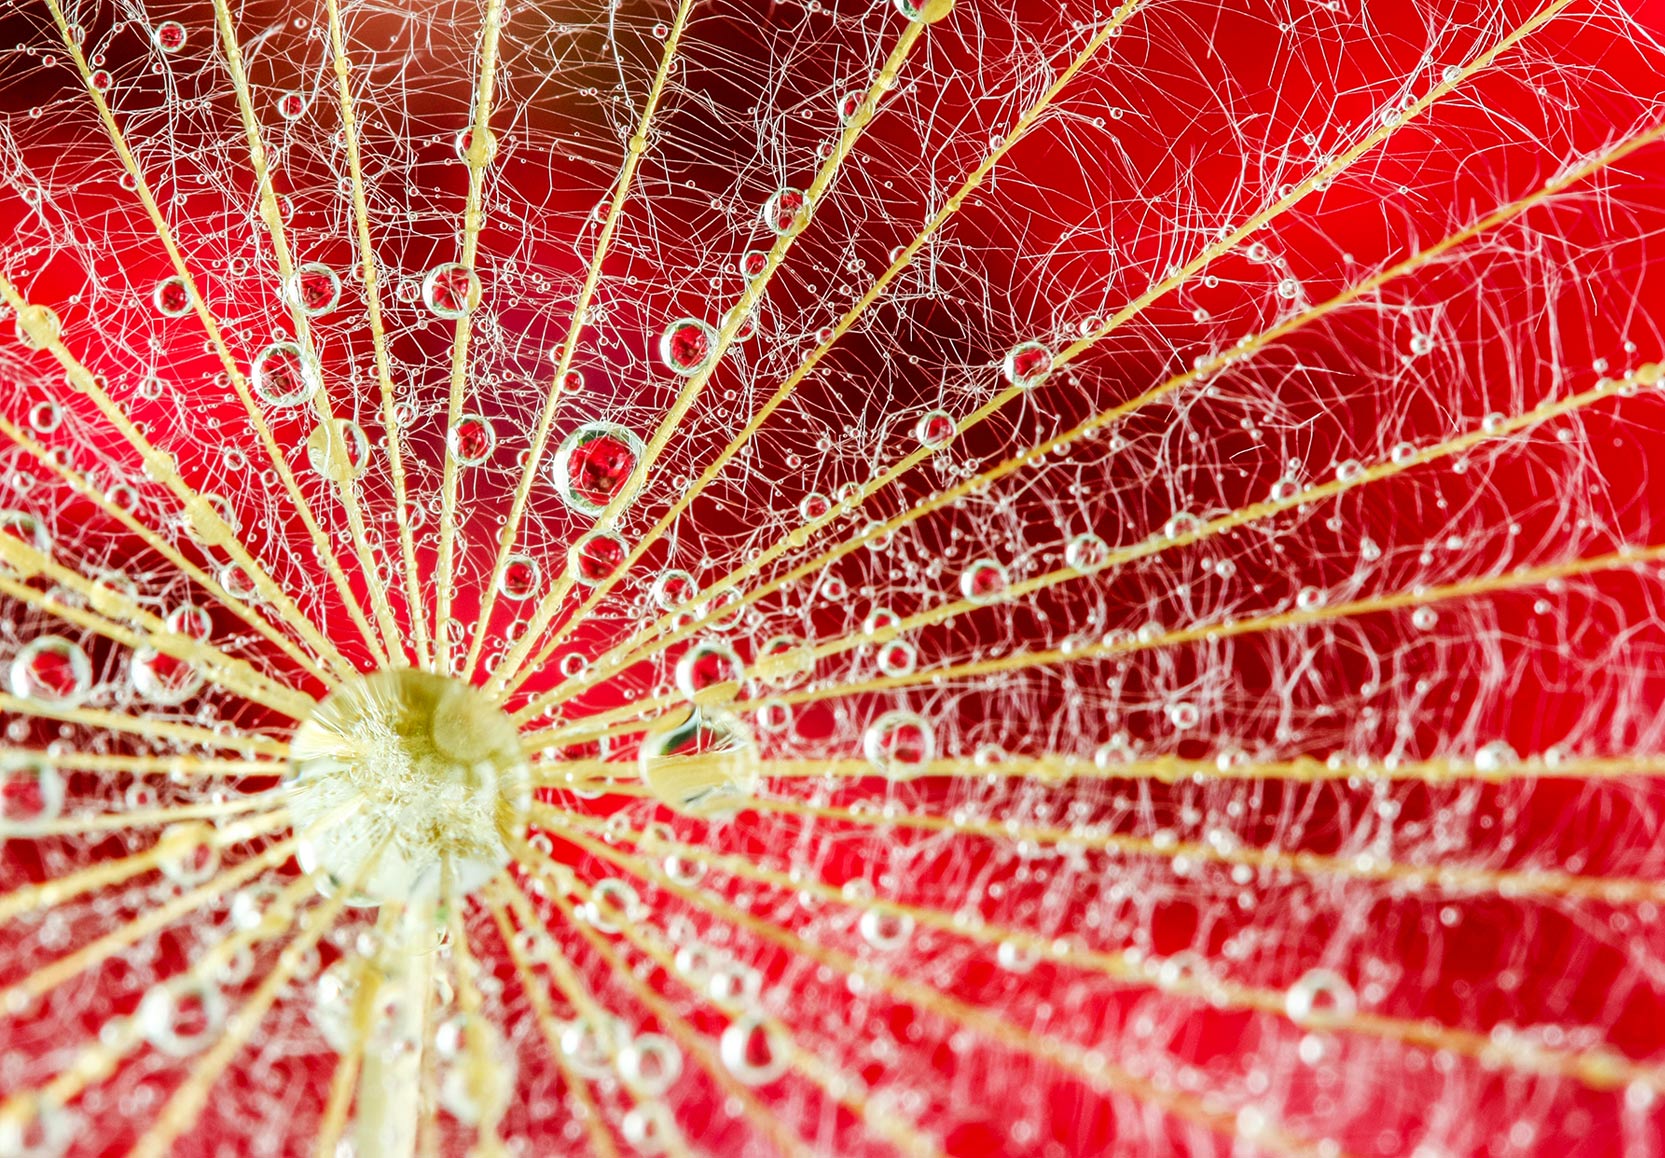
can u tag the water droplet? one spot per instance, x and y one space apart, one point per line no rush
451 290
172 297
170 36
472 440
596 557
1086 552
786 211
885 931
1027 365
673 589
284 376
935 429
31 792
688 346
983 581
1320 992
899 744
709 671
51 670
650 1064
702 763
338 450
593 464
751 1052
314 289
180 1019
291 106
163 679
521 577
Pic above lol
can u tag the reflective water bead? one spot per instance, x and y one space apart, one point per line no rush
314 289
163 679
983 581
688 346
751 1052
31 792
596 557
282 375
521 577
650 1064
673 589
786 210
1027 364
170 36
709 670
472 440
51 670
1086 552
935 429
885 931
899 743
291 106
338 450
451 290
172 297
702 763
593 464
1320 994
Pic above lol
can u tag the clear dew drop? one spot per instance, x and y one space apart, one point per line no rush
786 211
472 440
181 1019
899 744
751 1051
934 430
1320 993
282 375
984 581
31 792
1027 365
338 450
709 671
521 578
314 289
172 297
701 762
593 464
1086 552
163 680
650 1064
450 290
596 557
885 931
170 36
51 670
688 347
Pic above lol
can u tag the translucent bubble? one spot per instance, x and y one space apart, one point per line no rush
47 1132
880 619
181 1019
314 289
899 743
51 670
673 589
451 290
1320 993
704 762
885 931
38 326
752 263
1496 757
521 577
983 581
849 105
688 346
472 440
1015 957
1184 715
709 671
898 658
338 450
190 855
751 1052
170 36
786 211
645 1127
26 529
593 464
282 375
172 297
724 609
650 1064
1086 552
588 1048
162 679
45 417
935 429
466 151
291 106
31 792
814 506
596 557
1027 364
783 660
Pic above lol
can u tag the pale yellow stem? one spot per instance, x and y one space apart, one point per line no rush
142 726
933 225
569 344
79 484
479 158
750 297
271 214
378 334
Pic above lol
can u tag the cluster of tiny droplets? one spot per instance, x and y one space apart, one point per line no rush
1068 580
